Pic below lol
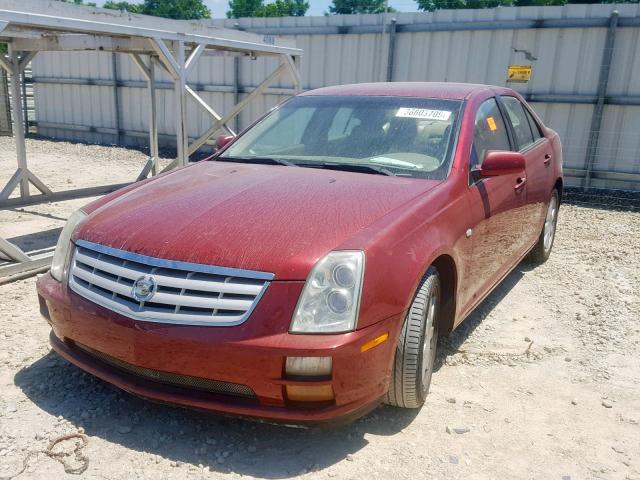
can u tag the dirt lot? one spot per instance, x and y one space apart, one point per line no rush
542 381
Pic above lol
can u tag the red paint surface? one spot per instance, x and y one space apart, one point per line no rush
282 220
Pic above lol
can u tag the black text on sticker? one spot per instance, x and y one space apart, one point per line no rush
423 113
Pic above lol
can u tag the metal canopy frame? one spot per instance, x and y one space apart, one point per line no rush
176 48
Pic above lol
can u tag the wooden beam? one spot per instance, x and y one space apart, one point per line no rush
193 58
294 72
25 58
80 42
166 57
181 105
60 196
28 268
6 64
237 108
207 108
12 252
142 66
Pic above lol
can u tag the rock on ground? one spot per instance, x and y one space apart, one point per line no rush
528 411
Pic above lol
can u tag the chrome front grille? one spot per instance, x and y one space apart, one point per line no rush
183 293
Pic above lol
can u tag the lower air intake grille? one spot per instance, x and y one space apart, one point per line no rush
173 379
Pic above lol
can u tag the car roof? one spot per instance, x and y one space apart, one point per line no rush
454 91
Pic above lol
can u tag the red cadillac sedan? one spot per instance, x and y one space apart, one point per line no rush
304 273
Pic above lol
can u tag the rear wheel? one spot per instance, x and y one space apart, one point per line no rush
416 349
541 251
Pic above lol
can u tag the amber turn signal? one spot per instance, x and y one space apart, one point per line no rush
309 393
375 342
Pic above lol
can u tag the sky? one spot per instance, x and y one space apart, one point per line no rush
316 7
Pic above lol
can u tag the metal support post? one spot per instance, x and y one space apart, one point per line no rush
236 90
18 122
22 176
598 109
153 117
149 73
116 97
25 106
182 156
392 48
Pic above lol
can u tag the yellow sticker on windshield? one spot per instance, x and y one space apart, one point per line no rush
492 124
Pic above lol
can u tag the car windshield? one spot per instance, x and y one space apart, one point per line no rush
401 136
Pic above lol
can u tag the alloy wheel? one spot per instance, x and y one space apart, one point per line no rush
550 223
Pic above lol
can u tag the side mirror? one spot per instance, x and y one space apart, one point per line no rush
223 140
502 162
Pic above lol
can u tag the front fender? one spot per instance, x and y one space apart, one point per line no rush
400 248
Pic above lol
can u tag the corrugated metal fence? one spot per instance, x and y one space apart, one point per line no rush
597 116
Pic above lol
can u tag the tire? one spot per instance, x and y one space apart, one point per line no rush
416 349
542 249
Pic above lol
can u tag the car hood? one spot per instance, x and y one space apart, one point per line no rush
267 218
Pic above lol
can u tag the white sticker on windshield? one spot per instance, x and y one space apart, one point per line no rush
423 113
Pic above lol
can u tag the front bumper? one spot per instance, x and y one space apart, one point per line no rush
251 354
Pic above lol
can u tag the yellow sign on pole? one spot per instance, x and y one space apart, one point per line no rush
519 73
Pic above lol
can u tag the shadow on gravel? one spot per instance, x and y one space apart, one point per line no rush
451 344
43 240
178 435
223 444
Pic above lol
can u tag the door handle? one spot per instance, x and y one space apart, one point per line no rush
547 160
520 183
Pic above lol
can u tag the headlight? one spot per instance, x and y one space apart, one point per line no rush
330 299
64 241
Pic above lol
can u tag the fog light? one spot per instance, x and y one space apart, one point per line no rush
308 366
309 393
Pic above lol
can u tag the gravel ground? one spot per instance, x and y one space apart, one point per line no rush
542 381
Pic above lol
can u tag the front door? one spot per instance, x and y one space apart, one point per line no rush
537 152
497 206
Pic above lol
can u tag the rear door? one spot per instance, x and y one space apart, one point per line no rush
496 205
537 152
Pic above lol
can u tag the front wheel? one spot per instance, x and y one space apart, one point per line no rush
541 251
416 349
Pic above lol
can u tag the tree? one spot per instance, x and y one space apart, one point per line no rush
243 8
177 9
284 8
537 3
79 2
126 6
431 5
346 7
256 8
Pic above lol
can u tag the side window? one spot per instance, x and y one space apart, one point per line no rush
490 132
535 129
519 120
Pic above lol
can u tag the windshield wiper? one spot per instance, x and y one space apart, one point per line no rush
259 160
354 167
